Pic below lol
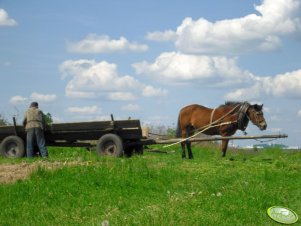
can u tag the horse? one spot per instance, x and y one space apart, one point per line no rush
224 120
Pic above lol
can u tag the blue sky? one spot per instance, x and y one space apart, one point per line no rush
83 60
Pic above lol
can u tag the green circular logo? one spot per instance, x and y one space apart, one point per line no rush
282 215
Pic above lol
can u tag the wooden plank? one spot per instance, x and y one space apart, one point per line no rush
127 124
81 126
95 125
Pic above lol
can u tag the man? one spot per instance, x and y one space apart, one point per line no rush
34 125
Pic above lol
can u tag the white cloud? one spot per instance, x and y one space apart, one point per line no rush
131 107
251 93
161 36
282 85
85 110
91 79
43 97
288 84
15 100
249 33
123 96
150 91
5 20
33 97
299 113
177 67
104 44
78 94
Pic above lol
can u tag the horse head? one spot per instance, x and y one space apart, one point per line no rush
255 114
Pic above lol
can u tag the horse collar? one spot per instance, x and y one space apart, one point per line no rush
243 120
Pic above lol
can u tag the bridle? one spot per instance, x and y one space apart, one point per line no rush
257 115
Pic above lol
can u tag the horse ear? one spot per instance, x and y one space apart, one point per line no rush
259 107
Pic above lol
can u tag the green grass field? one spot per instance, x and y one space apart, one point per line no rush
76 187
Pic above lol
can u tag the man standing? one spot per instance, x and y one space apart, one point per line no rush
34 125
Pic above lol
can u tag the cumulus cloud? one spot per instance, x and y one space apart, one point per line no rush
91 79
104 44
162 36
85 110
288 84
43 97
5 20
261 32
124 96
282 85
33 97
178 67
131 107
15 100
251 93
150 91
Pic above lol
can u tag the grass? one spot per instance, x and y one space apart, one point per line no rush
153 189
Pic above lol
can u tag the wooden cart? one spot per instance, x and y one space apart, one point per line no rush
110 137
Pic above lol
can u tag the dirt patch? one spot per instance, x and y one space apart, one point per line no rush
10 173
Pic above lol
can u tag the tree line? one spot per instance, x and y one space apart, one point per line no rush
47 117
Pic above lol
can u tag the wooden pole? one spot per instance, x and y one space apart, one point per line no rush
15 126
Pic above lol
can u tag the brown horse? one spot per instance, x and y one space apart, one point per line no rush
224 120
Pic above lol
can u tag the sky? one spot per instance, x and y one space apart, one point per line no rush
86 60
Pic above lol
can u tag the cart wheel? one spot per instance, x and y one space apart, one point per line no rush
110 144
12 147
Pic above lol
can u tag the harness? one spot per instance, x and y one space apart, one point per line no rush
243 119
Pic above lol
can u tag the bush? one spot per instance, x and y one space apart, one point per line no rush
3 121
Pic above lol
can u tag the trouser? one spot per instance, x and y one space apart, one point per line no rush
35 134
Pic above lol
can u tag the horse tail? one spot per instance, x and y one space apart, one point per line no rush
178 130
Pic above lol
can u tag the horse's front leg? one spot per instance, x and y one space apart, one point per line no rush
183 150
224 147
188 144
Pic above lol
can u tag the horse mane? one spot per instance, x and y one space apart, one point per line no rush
231 103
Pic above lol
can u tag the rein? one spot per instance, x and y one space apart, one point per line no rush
208 127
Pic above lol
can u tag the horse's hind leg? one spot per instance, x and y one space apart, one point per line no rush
188 143
183 135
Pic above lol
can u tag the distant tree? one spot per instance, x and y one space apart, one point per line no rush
171 132
3 121
48 119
